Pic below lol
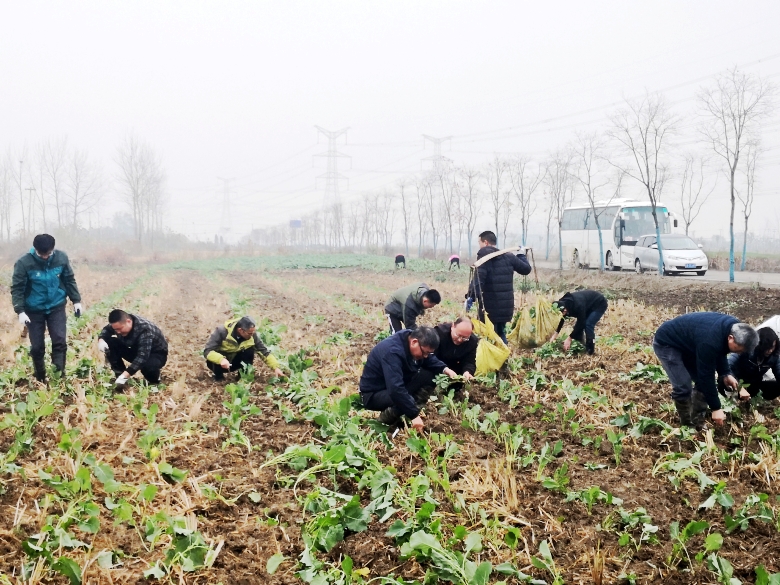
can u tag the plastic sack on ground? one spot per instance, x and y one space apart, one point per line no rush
492 352
535 324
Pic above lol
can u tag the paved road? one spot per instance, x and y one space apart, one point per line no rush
763 278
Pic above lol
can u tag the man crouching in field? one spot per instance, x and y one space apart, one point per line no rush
398 373
130 338
234 344
691 349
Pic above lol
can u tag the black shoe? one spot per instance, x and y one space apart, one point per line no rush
389 416
590 347
684 412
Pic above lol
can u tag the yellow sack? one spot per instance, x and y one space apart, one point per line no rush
535 324
492 352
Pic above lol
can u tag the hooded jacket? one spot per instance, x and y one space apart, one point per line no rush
390 366
495 281
702 339
579 305
40 286
225 343
406 304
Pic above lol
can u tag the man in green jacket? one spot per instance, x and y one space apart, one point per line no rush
408 303
43 280
231 346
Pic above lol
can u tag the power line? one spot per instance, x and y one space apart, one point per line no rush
332 176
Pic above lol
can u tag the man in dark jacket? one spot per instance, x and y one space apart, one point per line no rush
588 307
138 341
493 285
691 348
233 345
458 346
408 303
750 367
397 372
42 282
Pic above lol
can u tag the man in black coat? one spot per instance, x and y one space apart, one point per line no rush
397 373
588 307
458 346
691 348
493 283
750 368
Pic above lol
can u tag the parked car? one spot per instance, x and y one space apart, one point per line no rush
681 254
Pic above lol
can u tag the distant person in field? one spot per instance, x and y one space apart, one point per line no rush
400 260
454 261
234 345
750 368
692 348
132 343
493 282
397 377
587 307
408 303
41 285
458 346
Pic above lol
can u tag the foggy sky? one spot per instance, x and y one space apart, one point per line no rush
234 89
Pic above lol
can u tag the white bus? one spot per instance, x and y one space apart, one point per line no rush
622 222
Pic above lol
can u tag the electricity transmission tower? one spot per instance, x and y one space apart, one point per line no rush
332 177
437 159
225 222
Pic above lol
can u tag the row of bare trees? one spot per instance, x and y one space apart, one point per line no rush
644 151
58 186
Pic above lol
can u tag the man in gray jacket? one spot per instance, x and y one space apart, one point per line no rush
408 303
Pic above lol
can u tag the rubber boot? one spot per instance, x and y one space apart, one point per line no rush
590 347
699 410
422 396
684 412
389 416
39 367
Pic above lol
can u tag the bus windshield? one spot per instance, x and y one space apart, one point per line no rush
639 221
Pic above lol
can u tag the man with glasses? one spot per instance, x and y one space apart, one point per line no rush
42 283
398 374
458 346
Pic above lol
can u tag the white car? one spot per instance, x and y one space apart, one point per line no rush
681 254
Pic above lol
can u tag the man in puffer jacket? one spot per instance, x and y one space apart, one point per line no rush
493 283
408 303
588 307
231 346
43 280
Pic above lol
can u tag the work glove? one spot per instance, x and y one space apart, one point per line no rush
102 345
468 304
121 380
23 318
77 309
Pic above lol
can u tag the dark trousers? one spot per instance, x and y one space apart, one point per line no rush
119 353
383 399
246 356
500 330
589 326
56 323
454 262
395 324
399 260
681 375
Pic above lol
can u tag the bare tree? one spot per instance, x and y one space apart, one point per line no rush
732 108
54 154
525 181
499 194
406 211
432 209
142 178
751 158
442 177
560 189
6 196
86 186
587 155
472 199
641 131
422 216
693 194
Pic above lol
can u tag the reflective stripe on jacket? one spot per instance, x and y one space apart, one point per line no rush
225 343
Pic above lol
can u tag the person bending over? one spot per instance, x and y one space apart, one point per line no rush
587 307
750 368
408 303
234 345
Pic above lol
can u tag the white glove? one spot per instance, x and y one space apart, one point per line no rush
522 249
121 380
23 318
102 345
77 309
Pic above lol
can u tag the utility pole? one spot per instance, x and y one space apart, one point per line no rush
331 175
437 159
225 222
